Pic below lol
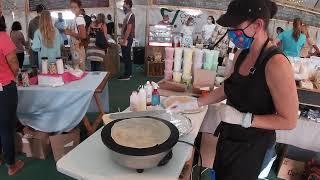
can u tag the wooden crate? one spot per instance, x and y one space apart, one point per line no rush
155 69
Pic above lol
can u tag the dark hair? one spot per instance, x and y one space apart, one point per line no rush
101 18
16 26
280 29
3 26
40 8
297 28
109 16
78 2
213 20
129 2
273 9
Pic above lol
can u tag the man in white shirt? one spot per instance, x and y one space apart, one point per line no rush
208 30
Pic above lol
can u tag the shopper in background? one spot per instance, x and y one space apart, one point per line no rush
87 18
18 39
1 14
223 46
307 50
96 55
165 20
279 30
47 40
60 25
187 31
78 35
9 68
110 25
261 94
208 30
127 35
292 40
33 26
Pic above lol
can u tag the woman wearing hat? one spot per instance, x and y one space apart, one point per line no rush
261 94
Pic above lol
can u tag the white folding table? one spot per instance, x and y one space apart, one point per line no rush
91 160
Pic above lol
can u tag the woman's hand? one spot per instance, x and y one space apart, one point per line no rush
230 115
180 107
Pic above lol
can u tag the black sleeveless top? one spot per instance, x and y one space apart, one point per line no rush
251 93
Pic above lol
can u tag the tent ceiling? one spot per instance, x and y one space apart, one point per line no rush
314 4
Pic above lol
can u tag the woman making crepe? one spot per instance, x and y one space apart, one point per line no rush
260 91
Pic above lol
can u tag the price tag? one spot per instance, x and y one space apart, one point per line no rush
1 87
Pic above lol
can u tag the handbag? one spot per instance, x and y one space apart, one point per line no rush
101 40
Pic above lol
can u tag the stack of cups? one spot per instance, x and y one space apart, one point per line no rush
187 65
168 63
211 62
209 59
215 60
177 64
198 59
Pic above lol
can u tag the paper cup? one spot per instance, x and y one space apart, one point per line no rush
177 77
187 79
169 53
168 75
168 65
188 54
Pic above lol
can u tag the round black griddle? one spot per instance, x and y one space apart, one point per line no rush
160 148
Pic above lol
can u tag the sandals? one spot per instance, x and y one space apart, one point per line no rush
14 169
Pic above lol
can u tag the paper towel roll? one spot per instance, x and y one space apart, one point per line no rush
60 66
44 67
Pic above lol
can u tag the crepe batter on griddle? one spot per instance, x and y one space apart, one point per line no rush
140 133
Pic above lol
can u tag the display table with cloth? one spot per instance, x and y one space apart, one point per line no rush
305 136
60 109
99 165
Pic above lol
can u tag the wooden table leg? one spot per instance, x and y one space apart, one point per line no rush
98 120
87 125
186 171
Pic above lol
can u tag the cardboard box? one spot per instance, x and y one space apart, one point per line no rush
63 143
291 170
35 144
18 143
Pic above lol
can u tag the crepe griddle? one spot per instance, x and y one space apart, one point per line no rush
141 158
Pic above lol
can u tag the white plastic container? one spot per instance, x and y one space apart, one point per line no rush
142 99
134 102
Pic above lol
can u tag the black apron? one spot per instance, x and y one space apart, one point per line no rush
241 151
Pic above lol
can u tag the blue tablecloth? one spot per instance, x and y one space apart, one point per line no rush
62 108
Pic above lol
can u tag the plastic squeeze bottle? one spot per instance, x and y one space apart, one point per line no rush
155 97
149 90
134 102
142 99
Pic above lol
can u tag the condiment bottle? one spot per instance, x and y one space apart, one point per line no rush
142 99
149 90
155 97
134 102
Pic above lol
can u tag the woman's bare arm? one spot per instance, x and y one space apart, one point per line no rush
13 63
283 89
